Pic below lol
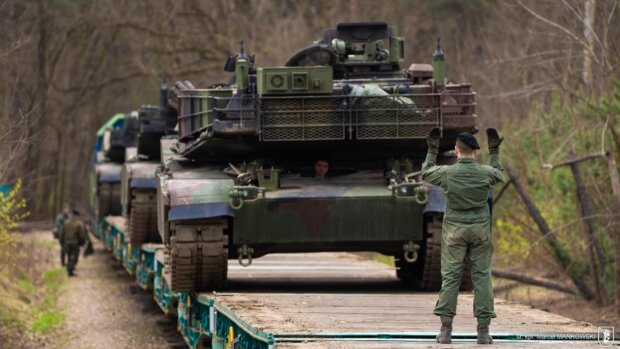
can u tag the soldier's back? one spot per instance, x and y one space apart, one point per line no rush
467 185
71 232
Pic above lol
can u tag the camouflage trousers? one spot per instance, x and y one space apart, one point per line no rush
471 241
63 255
73 253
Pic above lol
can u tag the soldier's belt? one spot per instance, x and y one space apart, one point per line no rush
481 211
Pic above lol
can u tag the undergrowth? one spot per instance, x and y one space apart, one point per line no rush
29 292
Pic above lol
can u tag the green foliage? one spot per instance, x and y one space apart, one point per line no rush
32 304
546 137
512 246
26 286
12 211
46 321
28 302
53 279
46 316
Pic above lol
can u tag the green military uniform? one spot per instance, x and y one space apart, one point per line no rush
73 235
466 231
60 221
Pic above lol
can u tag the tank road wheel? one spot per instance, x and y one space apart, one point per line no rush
143 218
104 199
108 199
425 274
199 256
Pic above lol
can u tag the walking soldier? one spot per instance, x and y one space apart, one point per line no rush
73 235
466 231
58 224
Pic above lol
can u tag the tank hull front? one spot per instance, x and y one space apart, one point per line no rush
349 213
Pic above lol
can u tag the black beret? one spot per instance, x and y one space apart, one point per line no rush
468 139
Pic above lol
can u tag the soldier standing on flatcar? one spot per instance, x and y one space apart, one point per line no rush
466 229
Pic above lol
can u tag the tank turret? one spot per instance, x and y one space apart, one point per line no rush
118 134
346 95
154 123
356 50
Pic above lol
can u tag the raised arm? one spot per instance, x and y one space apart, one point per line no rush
496 170
430 171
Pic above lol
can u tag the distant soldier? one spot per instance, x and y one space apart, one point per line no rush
60 221
466 231
73 235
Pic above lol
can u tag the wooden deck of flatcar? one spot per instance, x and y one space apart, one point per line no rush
346 297
329 300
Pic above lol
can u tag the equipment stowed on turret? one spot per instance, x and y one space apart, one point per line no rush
138 189
241 184
113 139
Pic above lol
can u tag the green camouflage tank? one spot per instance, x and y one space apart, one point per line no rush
138 185
240 182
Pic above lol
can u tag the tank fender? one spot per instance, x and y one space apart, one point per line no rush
109 178
143 183
436 200
200 211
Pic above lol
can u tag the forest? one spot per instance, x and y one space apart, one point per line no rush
546 73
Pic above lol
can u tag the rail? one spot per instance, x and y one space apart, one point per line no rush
323 118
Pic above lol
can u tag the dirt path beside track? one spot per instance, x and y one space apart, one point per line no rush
105 309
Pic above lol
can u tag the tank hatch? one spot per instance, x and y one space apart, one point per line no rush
356 50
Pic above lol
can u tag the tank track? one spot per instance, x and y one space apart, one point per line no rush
142 221
198 256
108 199
425 274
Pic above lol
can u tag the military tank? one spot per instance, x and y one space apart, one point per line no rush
138 188
113 138
241 182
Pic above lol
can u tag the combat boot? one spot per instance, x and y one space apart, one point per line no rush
445 334
483 332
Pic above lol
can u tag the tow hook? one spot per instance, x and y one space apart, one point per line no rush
415 190
239 194
245 255
411 251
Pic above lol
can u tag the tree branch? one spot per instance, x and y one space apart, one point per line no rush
534 281
575 160
563 29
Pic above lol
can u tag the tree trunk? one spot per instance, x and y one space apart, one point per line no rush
615 187
32 153
588 51
560 254
594 247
